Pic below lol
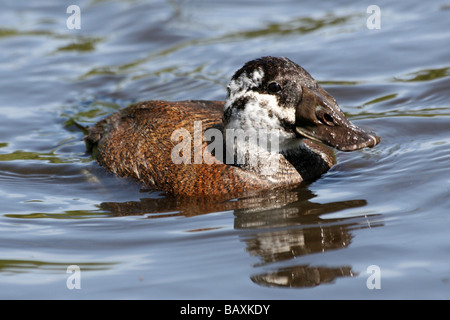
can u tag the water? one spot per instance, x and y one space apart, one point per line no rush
386 207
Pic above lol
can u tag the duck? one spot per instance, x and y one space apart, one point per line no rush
275 130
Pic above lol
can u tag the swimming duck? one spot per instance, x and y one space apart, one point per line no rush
194 147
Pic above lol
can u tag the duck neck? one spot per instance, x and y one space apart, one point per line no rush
310 159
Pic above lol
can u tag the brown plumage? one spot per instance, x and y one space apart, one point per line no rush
136 142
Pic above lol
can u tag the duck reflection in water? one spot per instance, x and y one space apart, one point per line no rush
281 226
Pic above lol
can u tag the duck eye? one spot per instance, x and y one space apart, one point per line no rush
274 87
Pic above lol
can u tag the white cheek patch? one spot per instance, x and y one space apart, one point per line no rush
238 87
262 112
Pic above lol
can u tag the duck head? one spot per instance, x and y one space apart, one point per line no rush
277 94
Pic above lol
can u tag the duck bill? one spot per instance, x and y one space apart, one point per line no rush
319 118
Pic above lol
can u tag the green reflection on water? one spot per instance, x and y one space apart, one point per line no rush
89 113
383 98
79 43
84 116
425 75
27 155
295 26
69 214
22 266
4 32
339 83
45 156
86 44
